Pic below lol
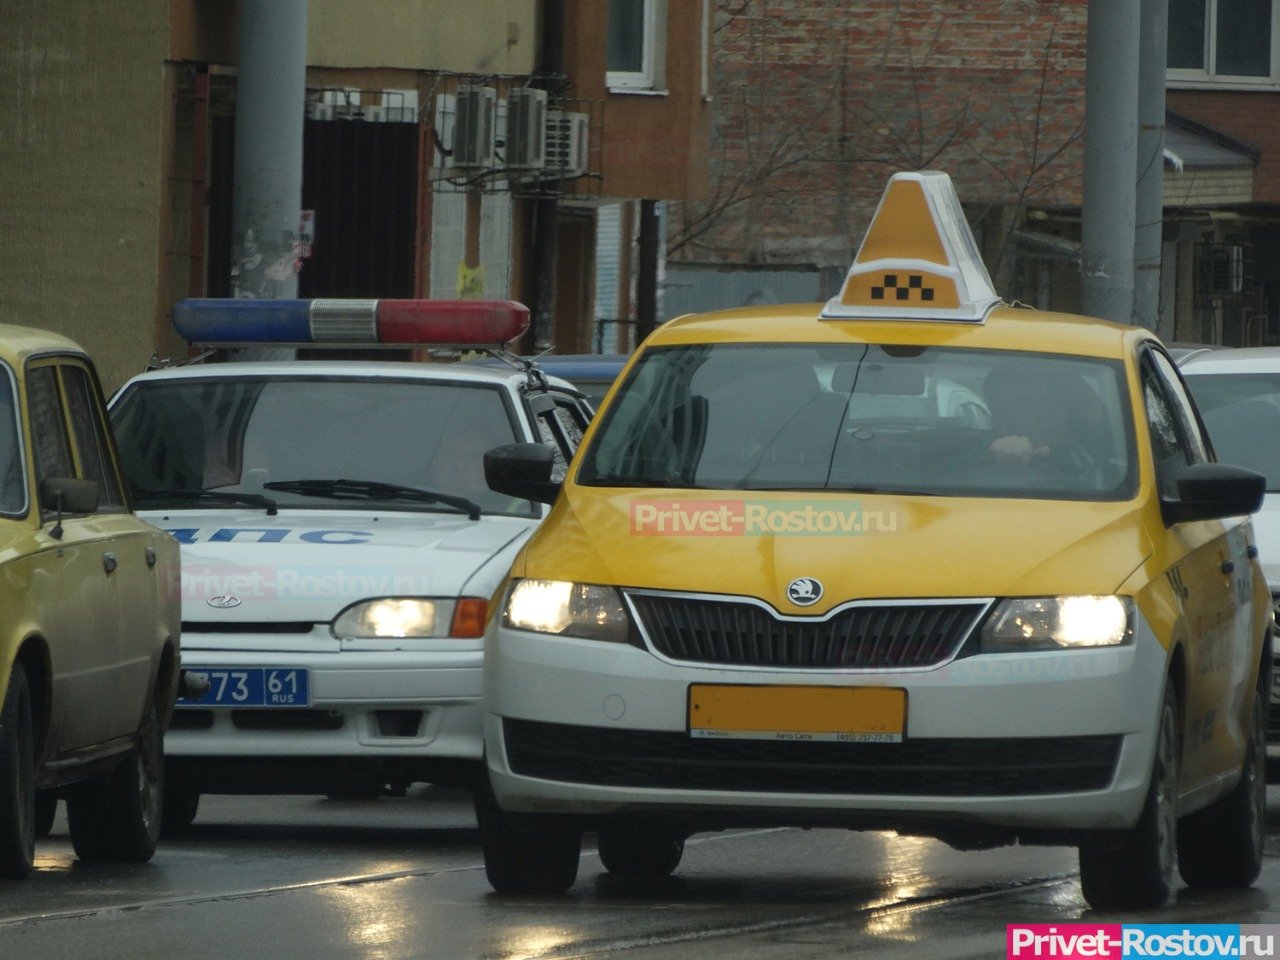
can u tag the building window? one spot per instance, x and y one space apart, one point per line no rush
635 48
1223 41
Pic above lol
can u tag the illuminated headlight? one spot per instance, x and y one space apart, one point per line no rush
1058 623
570 609
394 617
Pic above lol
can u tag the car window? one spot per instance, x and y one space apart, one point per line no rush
1171 448
48 425
235 434
13 487
1238 408
868 418
90 437
560 421
1183 407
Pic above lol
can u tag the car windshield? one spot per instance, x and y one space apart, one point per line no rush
261 435
1242 414
852 417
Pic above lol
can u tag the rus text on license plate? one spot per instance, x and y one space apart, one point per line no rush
252 687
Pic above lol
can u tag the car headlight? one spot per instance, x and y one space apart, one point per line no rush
583 610
410 618
1058 623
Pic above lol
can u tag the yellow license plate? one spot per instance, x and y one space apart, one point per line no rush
768 712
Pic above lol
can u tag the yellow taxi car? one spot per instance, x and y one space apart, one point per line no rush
918 560
89 618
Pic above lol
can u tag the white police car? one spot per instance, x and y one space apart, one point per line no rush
340 547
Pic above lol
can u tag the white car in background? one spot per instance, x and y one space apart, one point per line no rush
1238 393
339 543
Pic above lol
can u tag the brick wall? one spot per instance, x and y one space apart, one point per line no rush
817 102
1246 116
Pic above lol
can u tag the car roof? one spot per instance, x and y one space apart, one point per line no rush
440 372
1005 328
17 343
1235 360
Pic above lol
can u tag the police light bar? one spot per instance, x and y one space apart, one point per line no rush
918 261
332 322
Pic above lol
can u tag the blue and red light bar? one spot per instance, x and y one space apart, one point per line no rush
304 323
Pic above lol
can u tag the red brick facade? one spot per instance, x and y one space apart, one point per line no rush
1243 115
818 101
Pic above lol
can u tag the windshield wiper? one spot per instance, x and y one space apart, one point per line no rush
216 496
372 490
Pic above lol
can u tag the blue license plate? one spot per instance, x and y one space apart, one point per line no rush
252 687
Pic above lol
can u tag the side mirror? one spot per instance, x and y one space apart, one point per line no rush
522 470
67 495
1212 491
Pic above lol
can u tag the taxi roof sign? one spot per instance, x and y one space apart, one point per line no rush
918 261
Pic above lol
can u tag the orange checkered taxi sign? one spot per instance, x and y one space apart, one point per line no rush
918 260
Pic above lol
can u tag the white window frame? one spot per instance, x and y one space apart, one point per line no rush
651 78
1208 78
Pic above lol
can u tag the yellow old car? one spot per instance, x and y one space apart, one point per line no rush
89 617
915 560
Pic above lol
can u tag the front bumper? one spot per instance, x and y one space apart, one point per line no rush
1052 741
363 705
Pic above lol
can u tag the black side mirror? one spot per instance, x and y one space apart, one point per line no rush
522 470
1212 491
67 495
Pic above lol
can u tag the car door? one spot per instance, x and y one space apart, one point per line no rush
1212 580
72 596
129 551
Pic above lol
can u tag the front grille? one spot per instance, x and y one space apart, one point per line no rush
286 720
882 635
247 626
934 767
188 719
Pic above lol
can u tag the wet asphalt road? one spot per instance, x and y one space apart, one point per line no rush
304 877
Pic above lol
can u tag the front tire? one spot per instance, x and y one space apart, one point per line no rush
17 779
1136 872
1220 847
115 817
638 851
526 854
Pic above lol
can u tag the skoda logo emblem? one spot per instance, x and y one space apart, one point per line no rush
803 592
225 601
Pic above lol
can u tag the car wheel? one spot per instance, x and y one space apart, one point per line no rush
526 854
115 817
1220 846
639 851
46 811
179 809
17 779
1136 871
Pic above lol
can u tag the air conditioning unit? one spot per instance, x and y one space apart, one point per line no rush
473 127
567 144
526 141
320 111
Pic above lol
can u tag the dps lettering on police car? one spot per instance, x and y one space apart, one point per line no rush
339 544
1015 649
804 591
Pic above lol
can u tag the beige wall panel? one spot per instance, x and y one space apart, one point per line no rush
1195 188
478 36
83 115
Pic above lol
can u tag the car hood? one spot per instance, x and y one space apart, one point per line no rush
885 546
306 565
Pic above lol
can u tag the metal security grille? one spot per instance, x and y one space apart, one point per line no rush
884 636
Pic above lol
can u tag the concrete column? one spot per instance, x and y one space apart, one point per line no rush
1148 246
1110 159
270 100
